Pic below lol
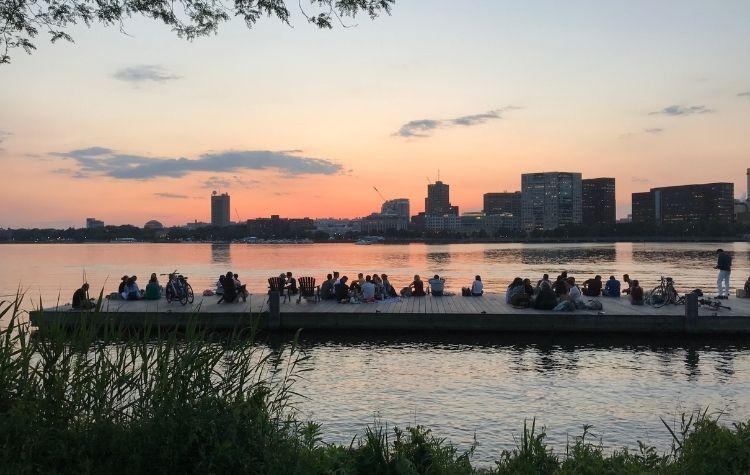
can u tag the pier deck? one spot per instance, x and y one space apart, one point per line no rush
489 313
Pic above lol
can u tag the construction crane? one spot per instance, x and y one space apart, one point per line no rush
237 215
379 194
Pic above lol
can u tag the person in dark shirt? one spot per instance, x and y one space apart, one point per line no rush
291 284
724 265
326 288
230 289
417 287
593 287
123 284
341 290
81 298
626 280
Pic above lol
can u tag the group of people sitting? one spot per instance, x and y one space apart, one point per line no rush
231 289
565 294
128 289
369 288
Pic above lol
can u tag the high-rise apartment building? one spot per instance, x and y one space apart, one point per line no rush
708 202
550 200
598 201
502 203
438 201
219 209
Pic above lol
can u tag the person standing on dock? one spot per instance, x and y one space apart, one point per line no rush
724 264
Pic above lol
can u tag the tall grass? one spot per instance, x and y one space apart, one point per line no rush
97 400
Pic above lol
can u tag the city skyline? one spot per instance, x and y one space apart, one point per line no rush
482 93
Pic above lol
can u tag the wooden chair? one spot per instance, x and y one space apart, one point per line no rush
308 289
276 285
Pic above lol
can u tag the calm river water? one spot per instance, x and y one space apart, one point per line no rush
465 388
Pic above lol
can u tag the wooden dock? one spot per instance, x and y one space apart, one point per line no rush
489 313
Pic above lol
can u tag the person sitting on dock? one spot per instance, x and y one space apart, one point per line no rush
436 285
515 287
291 284
123 284
626 279
388 289
368 290
360 279
417 287
153 289
378 282
81 300
220 285
132 292
561 285
341 290
575 295
355 291
230 289
477 287
545 281
593 287
326 288
240 288
612 287
545 298
636 293
747 288
336 277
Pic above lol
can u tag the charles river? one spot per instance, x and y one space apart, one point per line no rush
467 387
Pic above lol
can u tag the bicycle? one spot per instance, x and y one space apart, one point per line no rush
665 293
178 288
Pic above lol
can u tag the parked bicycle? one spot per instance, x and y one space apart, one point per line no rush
665 293
178 288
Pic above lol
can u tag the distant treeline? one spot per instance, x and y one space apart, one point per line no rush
619 231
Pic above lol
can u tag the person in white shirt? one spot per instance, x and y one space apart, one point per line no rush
574 294
368 290
477 288
436 285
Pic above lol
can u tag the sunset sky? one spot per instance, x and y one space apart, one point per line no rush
304 122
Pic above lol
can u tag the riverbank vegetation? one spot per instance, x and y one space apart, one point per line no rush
100 401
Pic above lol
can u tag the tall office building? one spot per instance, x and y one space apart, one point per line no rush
93 223
397 207
747 189
502 203
598 201
219 209
550 200
708 202
438 201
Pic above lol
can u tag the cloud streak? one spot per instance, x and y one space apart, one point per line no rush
144 73
744 94
677 110
654 130
172 196
425 127
103 161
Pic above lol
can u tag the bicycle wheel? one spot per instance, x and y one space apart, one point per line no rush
183 296
658 297
189 293
169 293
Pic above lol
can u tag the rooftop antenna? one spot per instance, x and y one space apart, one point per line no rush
438 174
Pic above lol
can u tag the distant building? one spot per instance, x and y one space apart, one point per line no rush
153 225
438 201
507 204
277 227
338 227
381 223
219 209
446 222
196 225
708 202
93 223
397 207
550 200
598 201
747 189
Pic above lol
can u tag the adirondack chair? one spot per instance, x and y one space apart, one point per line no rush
308 289
275 284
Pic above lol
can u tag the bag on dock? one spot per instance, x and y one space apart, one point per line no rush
594 304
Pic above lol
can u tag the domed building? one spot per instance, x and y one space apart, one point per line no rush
153 225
